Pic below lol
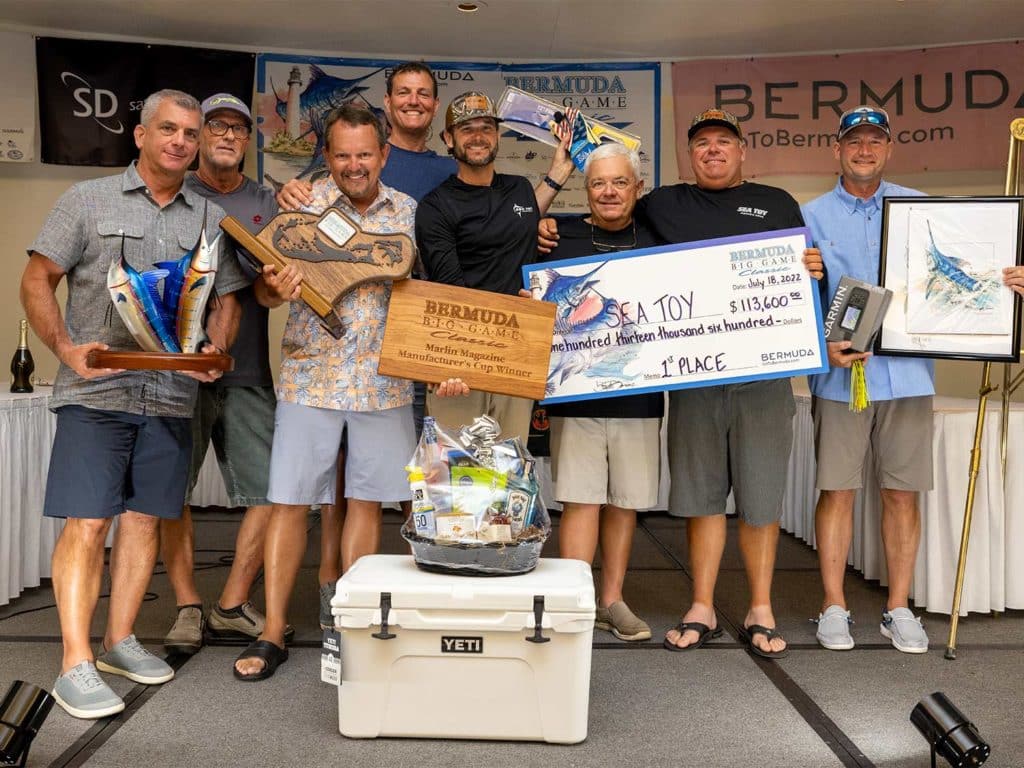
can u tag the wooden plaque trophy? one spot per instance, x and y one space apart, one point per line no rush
332 252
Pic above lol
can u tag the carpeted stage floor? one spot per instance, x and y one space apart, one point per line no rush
718 706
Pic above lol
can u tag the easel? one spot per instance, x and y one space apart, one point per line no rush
1013 187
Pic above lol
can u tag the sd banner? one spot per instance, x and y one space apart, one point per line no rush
91 92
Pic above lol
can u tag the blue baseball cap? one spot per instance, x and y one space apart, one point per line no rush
225 101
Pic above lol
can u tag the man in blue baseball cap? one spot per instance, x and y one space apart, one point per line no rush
846 223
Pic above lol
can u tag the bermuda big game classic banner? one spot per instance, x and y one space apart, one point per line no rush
295 91
91 92
950 107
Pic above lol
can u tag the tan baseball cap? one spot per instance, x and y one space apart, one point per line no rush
714 117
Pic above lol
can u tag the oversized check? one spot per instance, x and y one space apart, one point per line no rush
710 312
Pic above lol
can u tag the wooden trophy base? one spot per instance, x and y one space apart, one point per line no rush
160 361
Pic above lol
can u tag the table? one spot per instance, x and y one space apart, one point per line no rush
994 580
994 577
26 537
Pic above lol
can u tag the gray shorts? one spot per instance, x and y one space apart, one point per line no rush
239 421
899 433
304 461
736 436
606 461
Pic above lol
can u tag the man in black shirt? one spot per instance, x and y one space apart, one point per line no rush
606 452
734 436
478 229
728 437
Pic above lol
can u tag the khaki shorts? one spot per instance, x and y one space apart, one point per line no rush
512 413
899 433
606 461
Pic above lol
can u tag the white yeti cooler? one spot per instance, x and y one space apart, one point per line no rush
462 656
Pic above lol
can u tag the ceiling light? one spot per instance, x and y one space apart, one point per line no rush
468 7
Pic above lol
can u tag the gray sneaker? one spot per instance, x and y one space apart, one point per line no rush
622 622
83 694
834 629
129 659
244 622
326 593
905 630
186 634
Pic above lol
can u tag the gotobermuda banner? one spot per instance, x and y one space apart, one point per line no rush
625 95
950 108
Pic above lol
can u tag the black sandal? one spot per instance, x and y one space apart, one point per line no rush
769 633
272 655
703 630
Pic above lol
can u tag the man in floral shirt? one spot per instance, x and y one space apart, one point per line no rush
329 387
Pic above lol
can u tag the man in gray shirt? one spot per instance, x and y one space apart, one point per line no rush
123 442
235 412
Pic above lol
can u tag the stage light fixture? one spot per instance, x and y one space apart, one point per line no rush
949 732
22 713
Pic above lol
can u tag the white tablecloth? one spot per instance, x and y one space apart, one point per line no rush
26 537
994 578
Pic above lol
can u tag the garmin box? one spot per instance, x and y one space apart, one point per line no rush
431 655
856 312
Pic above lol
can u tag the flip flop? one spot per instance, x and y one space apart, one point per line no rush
703 630
272 655
769 634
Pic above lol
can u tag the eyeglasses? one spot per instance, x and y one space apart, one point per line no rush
864 117
599 185
219 128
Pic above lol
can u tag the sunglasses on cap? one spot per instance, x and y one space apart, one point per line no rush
853 118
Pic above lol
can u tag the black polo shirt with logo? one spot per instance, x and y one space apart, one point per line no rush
478 237
685 213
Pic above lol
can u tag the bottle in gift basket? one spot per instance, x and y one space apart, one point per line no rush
422 508
22 365
436 472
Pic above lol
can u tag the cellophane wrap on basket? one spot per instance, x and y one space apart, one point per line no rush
476 502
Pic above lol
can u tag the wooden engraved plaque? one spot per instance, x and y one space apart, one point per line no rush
332 253
493 342
160 361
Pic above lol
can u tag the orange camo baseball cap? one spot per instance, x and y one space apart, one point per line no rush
467 106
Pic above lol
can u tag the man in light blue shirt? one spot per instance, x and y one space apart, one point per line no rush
897 424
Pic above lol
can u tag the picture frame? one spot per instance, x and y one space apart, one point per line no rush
943 259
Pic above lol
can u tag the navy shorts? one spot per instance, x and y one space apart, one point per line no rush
106 462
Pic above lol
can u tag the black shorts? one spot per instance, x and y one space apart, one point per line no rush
106 462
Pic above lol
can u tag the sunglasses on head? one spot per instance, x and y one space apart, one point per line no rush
860 118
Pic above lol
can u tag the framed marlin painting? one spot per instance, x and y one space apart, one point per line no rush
943 259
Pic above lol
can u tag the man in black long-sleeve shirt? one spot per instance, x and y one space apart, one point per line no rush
477 230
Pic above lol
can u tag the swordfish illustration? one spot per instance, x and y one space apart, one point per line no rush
568 291
138 303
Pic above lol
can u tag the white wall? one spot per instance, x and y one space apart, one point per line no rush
27 191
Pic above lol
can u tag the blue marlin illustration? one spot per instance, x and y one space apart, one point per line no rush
948 268
323 93
138 303
567 291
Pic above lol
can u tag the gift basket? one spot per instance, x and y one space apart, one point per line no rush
476 502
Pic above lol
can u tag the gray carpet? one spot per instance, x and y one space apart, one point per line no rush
714 707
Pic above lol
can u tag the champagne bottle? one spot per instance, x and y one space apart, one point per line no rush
22 364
